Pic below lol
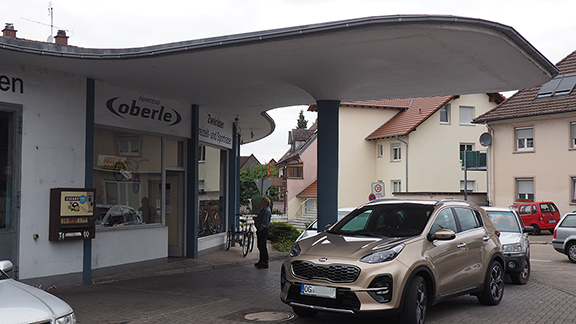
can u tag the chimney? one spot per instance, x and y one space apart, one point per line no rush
9 30
61 38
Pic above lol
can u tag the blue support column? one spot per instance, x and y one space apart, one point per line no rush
234 179
191 236
327 162
88 173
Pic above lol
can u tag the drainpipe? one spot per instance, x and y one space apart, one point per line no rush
406 143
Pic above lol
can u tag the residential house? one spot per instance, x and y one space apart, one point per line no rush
533 149
248 162
411 147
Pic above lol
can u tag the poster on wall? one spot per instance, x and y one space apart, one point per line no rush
214 129
130 109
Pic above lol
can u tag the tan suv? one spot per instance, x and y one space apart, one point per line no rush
396 257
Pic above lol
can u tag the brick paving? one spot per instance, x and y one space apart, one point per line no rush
224 287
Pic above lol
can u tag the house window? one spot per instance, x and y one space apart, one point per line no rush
396 154
396 186
466 115
201 185
524 139
295 172
573 135
466 147
559 86
470 184
573 189
445 114
525 188
202 154
380 150
128 144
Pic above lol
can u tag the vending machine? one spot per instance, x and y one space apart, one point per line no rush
72 214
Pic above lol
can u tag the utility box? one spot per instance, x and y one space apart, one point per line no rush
72 214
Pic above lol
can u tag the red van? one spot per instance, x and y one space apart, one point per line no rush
540 215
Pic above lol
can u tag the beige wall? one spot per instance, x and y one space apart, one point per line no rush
357 162
551 163
433 152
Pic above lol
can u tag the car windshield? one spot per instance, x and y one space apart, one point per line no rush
505 221
397 220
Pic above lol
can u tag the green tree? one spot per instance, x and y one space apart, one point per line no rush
301 123
248 186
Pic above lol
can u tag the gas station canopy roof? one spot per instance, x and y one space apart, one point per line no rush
246 75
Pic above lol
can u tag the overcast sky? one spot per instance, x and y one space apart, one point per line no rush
549 25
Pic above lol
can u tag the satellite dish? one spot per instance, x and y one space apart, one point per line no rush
485 139
50 39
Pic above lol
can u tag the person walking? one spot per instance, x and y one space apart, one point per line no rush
262 222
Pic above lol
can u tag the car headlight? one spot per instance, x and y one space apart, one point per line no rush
68 319
383 256
509 248
295 251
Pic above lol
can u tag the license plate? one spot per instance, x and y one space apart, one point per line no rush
318 291
552 221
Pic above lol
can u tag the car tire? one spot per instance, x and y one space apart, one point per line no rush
416 303
522 277
537 230
571 252
493 285
304 312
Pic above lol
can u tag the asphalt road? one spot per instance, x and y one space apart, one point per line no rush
238 294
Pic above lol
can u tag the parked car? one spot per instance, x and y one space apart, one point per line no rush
312 229
116 215
21 303
515 242
564 240
396 257
539 215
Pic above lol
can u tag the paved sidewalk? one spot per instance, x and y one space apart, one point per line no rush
215 260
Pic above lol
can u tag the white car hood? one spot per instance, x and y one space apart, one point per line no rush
21 303
510 237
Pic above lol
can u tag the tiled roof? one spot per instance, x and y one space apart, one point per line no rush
524 103
416 112
310 192
300 135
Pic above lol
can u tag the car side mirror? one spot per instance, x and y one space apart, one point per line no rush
6 266
528 229
442 235
327 227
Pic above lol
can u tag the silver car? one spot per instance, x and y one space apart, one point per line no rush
21 303
564 240
515 242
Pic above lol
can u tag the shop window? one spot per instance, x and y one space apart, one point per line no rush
6 166
211 186
128 144
130 180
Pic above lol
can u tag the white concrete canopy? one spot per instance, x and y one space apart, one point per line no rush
369 58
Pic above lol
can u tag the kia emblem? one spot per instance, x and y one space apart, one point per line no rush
323 259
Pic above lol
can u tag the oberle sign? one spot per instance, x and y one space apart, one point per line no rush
129 109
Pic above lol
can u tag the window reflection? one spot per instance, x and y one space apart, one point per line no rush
211 181
127 176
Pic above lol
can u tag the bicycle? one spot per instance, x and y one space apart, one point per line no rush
243 235
211 222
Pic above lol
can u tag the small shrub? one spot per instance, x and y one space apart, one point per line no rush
279 231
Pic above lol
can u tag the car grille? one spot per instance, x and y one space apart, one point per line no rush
341 273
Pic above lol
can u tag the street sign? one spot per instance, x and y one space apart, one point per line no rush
263 185
371 197
378 189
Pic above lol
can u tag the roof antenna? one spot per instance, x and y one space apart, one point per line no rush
51 14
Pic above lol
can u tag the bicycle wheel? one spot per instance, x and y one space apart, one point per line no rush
228 239
250 241
245 244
